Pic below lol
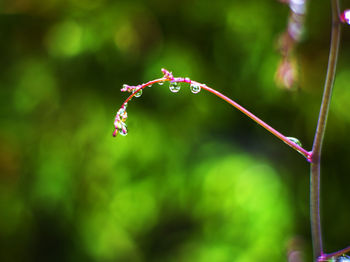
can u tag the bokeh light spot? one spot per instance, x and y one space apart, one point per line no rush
64 39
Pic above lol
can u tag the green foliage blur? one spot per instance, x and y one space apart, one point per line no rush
194 180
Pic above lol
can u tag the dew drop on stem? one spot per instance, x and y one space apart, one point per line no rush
123 130
195 88
174 87
122 114
345 16
295 140
138 93
343 258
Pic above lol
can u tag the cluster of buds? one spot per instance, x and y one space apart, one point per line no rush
132 89
119 122
127 88
167 75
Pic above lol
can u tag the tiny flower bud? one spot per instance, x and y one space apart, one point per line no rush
187 80
124 130
125 88
118 124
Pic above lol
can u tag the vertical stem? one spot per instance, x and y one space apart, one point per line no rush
320 130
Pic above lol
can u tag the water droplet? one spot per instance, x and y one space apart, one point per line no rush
345 16
160 83
123 130
122 115
138 93
174 87
195 88
121 111
343 258
295 140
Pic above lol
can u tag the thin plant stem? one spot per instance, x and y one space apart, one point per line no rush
273 131
319 135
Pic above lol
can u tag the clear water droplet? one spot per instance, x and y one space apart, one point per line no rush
345 16
138 93
123 130
195 88
118 124
295 140
121 111
122 115
160 83
343 258
174 87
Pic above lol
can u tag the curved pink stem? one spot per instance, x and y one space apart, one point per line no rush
305 153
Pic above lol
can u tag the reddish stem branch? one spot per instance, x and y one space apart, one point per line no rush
168 77
326 257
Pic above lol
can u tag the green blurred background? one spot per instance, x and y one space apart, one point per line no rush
195 180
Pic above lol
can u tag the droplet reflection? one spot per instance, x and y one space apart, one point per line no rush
195 88
174 87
